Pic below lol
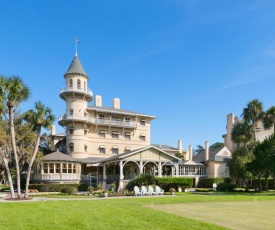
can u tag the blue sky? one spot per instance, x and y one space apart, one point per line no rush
188 62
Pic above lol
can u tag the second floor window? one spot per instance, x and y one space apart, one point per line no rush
115 135
114 150
71 112
102 150
142 122
71 131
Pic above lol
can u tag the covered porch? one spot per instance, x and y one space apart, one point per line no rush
124 167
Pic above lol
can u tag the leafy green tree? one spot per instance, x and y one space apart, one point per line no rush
252 114
263 163
242 132
238 164
14 91
216 145
5 153
40 117
269 118
198 149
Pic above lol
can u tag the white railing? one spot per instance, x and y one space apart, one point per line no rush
58 176
99 121
76 89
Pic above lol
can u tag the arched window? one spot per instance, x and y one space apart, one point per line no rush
78 84
71 83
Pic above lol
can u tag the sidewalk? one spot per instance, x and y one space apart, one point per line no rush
35 199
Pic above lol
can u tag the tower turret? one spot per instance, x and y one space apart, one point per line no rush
76 95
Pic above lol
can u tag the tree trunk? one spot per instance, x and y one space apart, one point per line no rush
31 161
266 183
259 183
11 117
8 173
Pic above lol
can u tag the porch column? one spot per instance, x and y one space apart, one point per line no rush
159 169
104 177
61 170
140 167
121 176
177 169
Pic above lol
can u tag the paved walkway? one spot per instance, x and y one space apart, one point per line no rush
4 198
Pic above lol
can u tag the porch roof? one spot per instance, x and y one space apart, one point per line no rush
190 163
127 154
58 156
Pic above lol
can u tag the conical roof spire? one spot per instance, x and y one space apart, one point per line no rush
76 67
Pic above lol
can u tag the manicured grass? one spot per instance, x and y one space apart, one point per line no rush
126 213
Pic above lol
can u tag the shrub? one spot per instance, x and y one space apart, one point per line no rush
226 187
208 182
70 190
175 182
57 187
143 179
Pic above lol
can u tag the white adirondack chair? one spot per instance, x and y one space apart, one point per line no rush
159 191
151 190
144 191
137 191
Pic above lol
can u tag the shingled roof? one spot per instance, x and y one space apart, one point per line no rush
104 109
200 156
58 156
76 67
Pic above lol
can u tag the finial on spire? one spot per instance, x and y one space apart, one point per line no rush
76 41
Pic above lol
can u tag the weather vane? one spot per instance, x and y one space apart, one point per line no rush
76 41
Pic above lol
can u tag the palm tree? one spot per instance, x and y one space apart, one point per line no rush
269 118
15 92
253 113
41 117
242 132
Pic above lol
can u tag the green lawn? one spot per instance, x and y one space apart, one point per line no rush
127 213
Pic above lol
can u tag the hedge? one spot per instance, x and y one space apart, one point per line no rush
167 182
226 187
208 182
57 187
70 190
164 182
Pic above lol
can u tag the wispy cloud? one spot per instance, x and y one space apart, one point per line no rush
142 55
270 51
249 76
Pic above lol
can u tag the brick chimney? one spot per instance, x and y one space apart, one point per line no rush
190 152
116 103
206 151
98 100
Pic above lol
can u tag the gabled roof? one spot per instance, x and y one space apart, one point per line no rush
76 67
58 156
167 147
117 111
190 163
124 155
200 156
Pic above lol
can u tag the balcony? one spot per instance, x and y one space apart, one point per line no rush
76 90
62 120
